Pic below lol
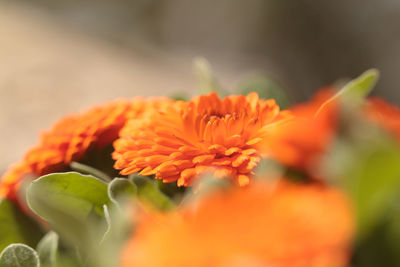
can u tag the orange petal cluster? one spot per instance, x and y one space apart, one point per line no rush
12 179
300 141
71 137
385 114
282 225
205 134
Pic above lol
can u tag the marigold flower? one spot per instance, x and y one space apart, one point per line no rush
190 138
11 179
300 141
72 137
286 225
385 114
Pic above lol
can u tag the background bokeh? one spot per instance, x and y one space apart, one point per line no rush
61 56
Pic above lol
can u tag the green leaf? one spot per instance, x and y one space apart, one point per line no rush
85 169
149 193
269 169
47 249
73 205
374 183
71 191
206 80
121 190
109 223
119 224
17 227
354 92
361 86
366 163
266 87
381 246
205 185
208 183
183 96
119 227
103 256
19 255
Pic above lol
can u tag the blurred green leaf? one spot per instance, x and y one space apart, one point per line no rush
121 189
367 165
19 255
109 223
394 225
361 86
47 249
205 185
354 92
171 190
374 184
365 161
180 96
381 246
149 193
269 169
17 227
119 227
104 255
266 88
208 183
205 78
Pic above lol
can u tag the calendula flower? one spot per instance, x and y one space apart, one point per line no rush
385 114
72 137
285 225
11 180
300 141
189 138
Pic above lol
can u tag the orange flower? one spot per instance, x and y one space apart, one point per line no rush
11 180
385 114
300 141
286 225
204 134
70 138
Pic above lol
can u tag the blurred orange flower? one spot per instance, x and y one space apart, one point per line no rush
11 180
300 141
285 225
190 138
71 137
385 114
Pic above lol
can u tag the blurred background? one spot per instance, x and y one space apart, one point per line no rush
61 56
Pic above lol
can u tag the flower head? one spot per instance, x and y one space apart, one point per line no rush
187 139
72 137
300 141
261 225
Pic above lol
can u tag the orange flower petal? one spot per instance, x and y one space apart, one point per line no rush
73 136
207 131
248 226
301 138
